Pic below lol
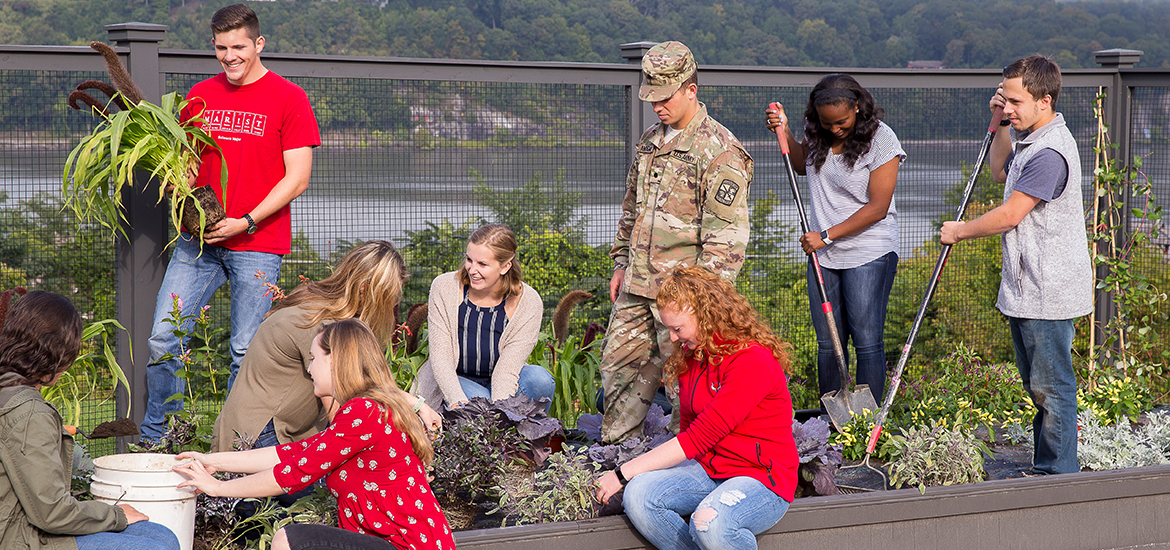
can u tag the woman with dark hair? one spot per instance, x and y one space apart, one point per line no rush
732 467
373 456
272 399
851 158
482 323
39 340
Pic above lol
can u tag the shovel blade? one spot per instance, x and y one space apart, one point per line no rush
842 404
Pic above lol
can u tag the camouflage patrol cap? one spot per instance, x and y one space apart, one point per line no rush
666 66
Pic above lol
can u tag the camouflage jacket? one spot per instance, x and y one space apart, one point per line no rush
685 204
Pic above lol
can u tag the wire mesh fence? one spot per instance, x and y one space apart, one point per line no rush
422 163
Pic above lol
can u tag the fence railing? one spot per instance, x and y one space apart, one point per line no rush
415 151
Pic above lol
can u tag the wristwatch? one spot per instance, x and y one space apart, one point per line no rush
825 237
251 224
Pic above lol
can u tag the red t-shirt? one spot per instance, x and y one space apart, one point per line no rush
378 481
254 124
736 419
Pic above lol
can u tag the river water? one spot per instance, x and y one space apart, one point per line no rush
363 193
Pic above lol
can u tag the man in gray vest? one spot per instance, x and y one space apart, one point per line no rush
1047 277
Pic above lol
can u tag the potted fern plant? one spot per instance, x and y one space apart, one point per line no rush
141 136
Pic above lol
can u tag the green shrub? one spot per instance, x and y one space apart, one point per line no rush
934 455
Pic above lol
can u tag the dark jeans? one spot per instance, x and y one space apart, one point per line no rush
1044 358
859 296
303 536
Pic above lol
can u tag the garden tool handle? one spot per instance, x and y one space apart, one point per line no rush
931 286
826 305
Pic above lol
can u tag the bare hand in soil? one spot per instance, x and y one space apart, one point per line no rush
607 486
132 515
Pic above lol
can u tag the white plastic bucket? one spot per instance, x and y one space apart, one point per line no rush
146 482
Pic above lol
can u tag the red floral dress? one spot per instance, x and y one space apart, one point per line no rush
378 481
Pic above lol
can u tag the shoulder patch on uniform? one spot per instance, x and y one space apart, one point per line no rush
726 193
683 156
645 148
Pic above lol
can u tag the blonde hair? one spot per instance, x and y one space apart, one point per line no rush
718 309
360 370
502 242
366 284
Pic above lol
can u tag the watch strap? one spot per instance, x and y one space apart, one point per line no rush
825 237
251 224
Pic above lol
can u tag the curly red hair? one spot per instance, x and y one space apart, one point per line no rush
719 310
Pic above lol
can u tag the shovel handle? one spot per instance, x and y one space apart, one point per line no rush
873 437
775 106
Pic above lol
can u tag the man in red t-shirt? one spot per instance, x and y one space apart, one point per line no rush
267 131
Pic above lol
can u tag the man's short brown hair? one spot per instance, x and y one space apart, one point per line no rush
1041 76
236 16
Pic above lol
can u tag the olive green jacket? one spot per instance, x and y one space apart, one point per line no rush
37 510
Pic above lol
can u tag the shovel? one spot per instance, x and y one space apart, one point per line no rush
117 428
842 404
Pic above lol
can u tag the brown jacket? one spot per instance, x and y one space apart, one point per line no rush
274 384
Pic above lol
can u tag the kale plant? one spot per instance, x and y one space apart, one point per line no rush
518 414
655 432
470 456
819 459
934 455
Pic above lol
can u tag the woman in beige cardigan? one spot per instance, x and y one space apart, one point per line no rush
483 322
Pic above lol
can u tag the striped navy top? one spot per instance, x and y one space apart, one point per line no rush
480 329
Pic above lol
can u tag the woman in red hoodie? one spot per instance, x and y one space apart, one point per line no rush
732 468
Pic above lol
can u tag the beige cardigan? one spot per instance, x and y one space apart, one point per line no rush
437 379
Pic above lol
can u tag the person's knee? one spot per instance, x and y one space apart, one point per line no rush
703 518
280 540
540 381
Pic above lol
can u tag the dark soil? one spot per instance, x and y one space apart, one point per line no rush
212 209
117 428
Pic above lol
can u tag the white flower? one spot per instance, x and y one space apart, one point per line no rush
356 422
347 410
431 522
377 525
361 463
407 458
346 451
393 475
411 520
422 537
400 500
388 430
369 485
366 437
303 461
343 474
418 504
373 464
348 513
321 447
305 479
286 469
326 465
393 453
410 481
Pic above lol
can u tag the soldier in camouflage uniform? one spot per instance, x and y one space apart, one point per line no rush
685 204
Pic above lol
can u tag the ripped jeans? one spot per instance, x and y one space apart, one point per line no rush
743 507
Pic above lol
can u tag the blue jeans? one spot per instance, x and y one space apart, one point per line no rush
143 535
535 382
1044 359
195 278
656 501
859 296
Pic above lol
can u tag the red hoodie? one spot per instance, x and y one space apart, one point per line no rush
736 419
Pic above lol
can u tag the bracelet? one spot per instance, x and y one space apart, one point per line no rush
418 404
825 237
621 478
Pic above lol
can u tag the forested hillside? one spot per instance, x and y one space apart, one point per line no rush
844 33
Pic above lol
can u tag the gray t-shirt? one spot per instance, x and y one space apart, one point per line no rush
836 192
1044 177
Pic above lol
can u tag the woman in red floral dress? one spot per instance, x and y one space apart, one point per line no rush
373 454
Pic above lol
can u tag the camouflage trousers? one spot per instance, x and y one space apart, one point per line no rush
637 345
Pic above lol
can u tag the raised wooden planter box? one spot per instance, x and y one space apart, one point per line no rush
1084 511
